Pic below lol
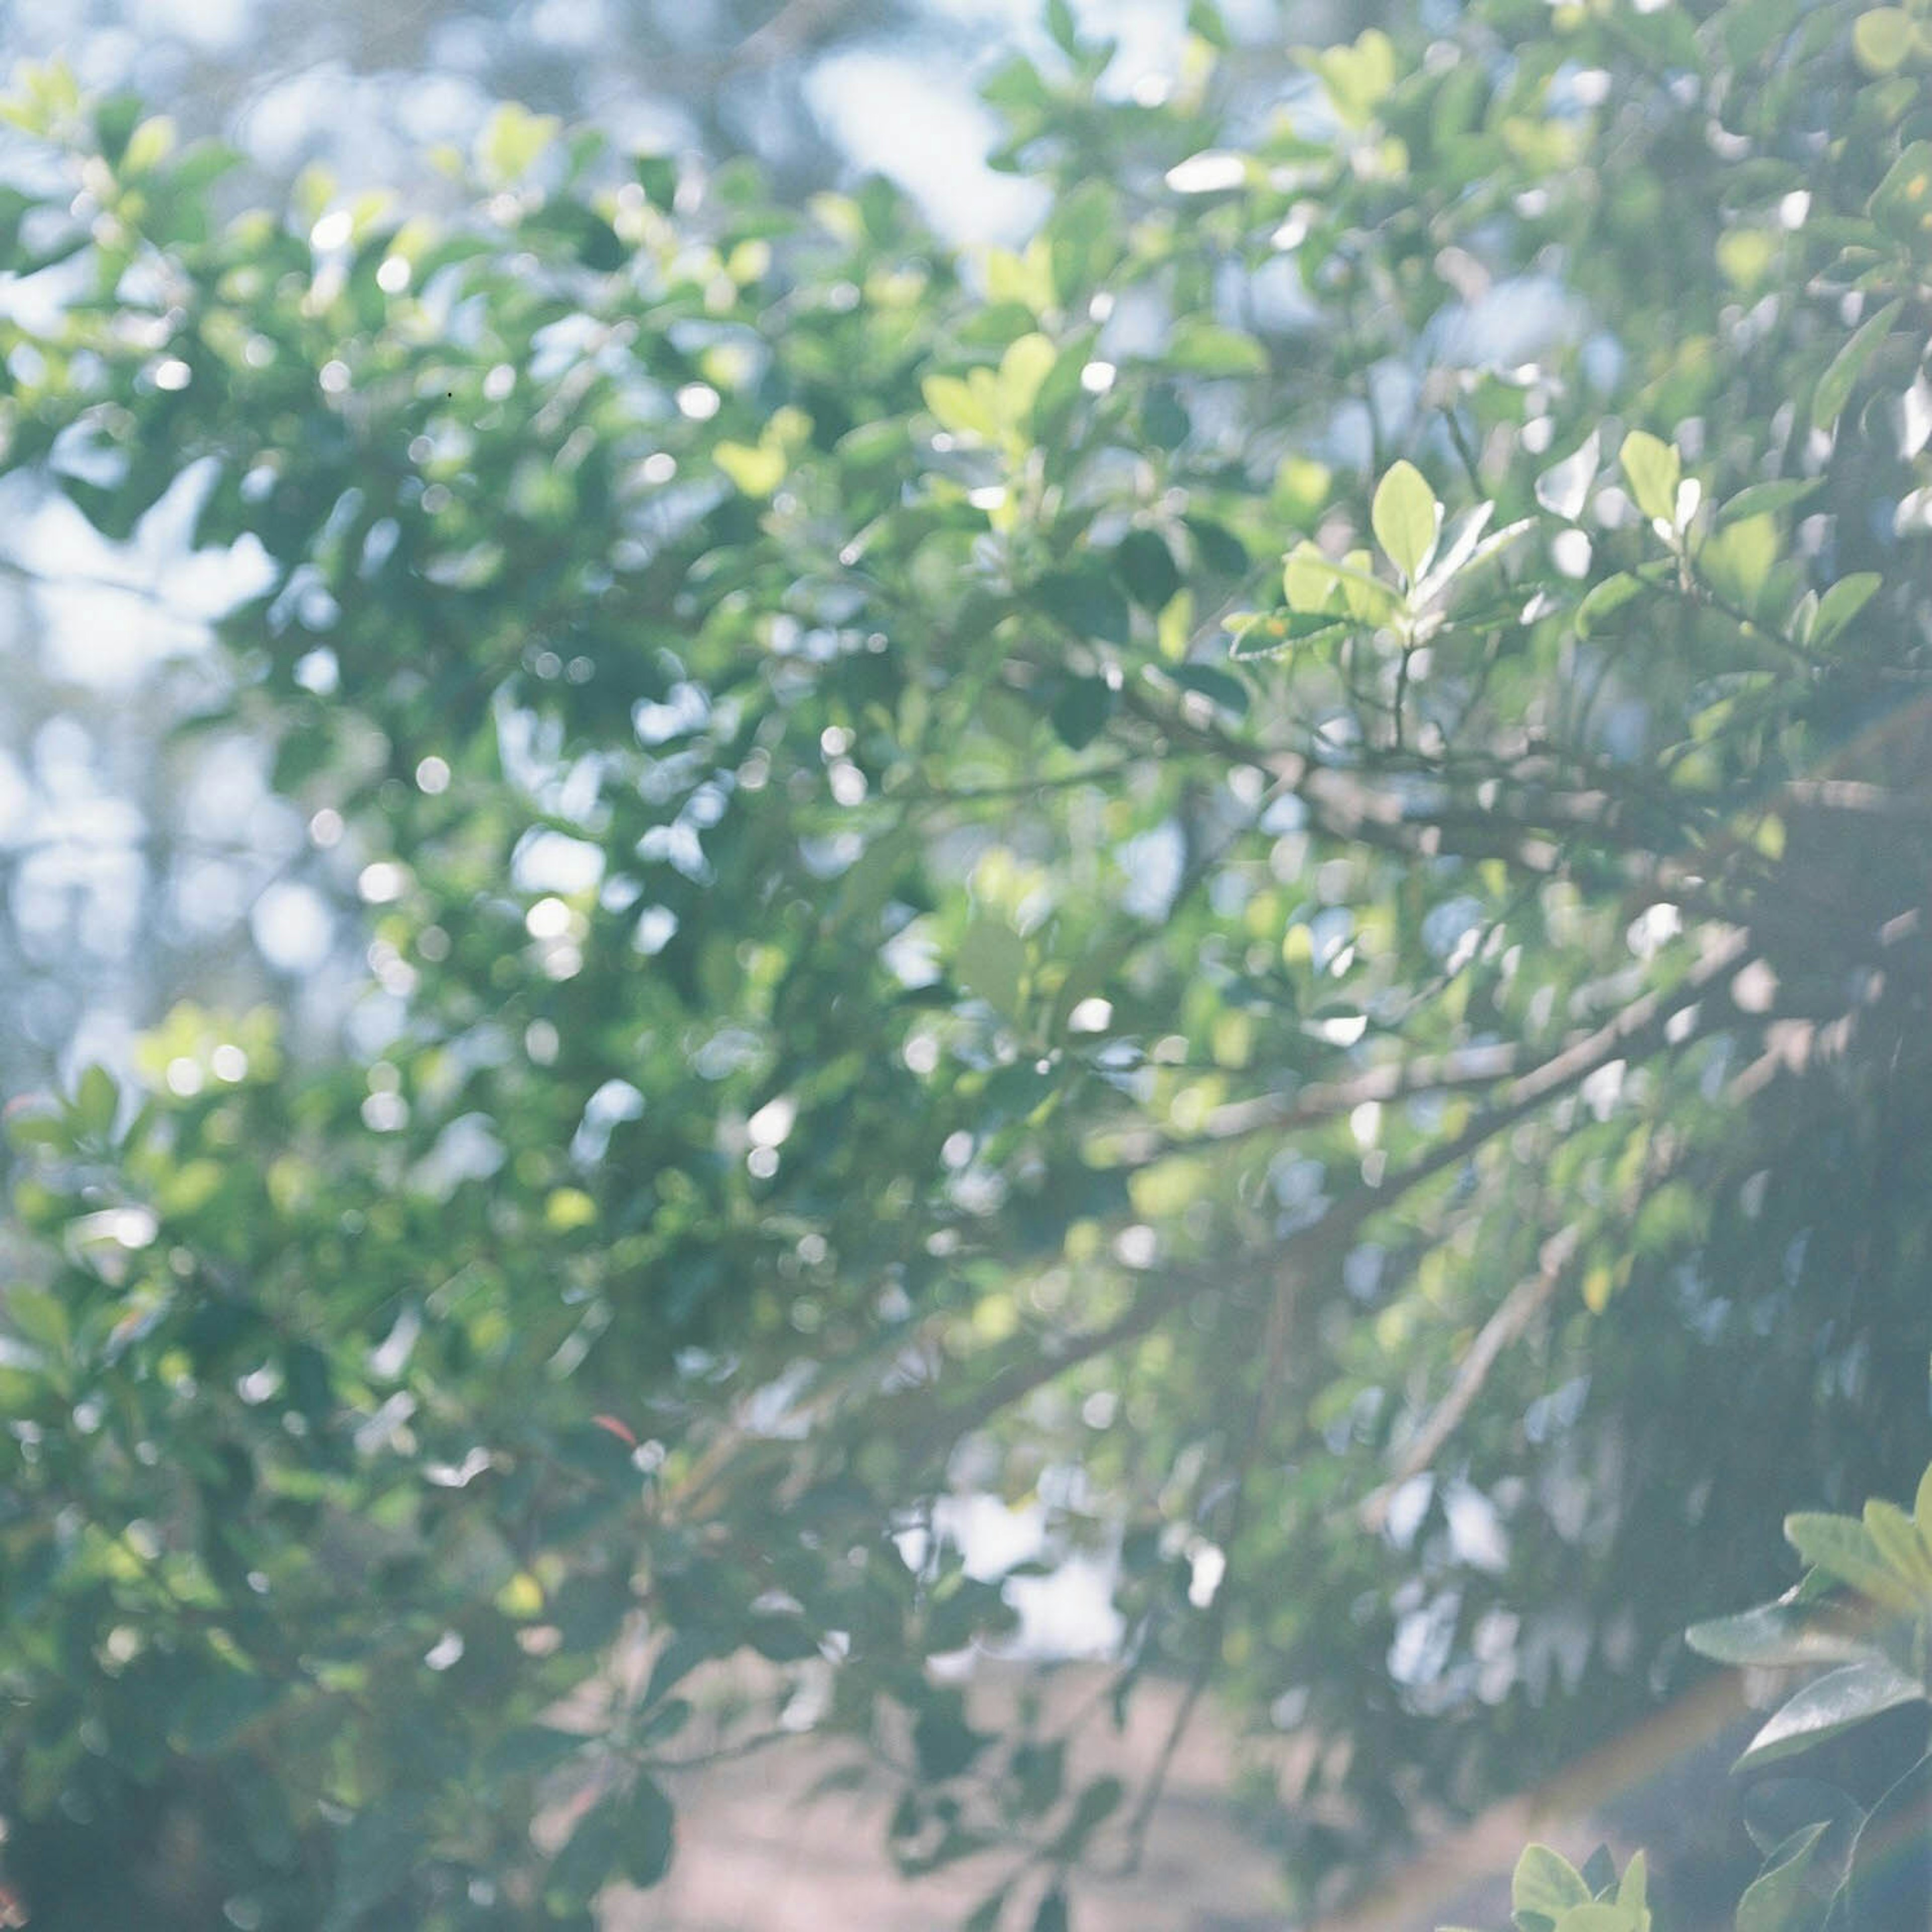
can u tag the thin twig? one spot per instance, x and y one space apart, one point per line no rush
1520 1307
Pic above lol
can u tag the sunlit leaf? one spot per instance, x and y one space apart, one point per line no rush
1653 470
1406 516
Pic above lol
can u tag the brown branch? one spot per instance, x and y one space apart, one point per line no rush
1520 1307
1323 1101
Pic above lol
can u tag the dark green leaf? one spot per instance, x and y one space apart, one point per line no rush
1834 1703
1764 499
1772 1635
1052 1915
1218 687
649 1828
1146 566
1087 602
1080 712
1840 377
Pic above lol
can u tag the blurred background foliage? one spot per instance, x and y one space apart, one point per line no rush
687 891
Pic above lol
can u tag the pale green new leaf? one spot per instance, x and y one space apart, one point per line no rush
1546 1881
1406 517
992 961
1842 1547
1653 469
1900 1544
1633 1888
958 406
1602 1914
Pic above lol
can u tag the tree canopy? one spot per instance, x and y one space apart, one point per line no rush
1257 872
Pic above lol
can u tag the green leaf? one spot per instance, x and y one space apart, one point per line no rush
1198 348
985 1916
757 469
1052 1914
1633 1888
781 1638
1084 235
149 146
1406 517
378 1849
1773 1900
588 1860
1164 418
648 1829
38 1316
530 1751
1922 1506
1087 601
1026 365
1080 712
1146 566
992 961
1601 1915
1842 1546
1842 602
1902 203
960 407
1279 632
1841 374
1216 547
115 118
1882 39
1889 1881
687 1649
1216 686
1738 561
1096 1803
1604 600
1765 499
657 176
40 1127
1357 77
96 1102
218 1707
1774 1635
1834 1703
1898 1542
1653 469
1315 585
513 141
1546 1881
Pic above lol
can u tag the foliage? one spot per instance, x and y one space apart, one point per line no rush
1257 871
1863 1609
1548 1893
